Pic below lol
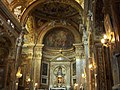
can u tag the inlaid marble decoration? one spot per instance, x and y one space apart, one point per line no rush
74 69
59 38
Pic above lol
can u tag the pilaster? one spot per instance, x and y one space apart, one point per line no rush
37 65
34 56
79 58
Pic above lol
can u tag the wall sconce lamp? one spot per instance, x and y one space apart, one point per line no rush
75 86
18 74
92 66
35 85
83 75
28 79
108 39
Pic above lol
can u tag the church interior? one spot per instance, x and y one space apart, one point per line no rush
59 44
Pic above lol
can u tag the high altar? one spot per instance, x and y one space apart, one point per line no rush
58 88
59 83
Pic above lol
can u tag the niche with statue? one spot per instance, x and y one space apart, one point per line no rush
59 72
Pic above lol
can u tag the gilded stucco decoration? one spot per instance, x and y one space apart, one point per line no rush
29 38
17 11
81 2
40 22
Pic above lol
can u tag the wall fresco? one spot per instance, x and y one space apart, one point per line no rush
59 38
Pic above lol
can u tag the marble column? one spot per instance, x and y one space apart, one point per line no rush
78 51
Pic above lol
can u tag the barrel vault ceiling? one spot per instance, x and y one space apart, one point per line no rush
63 12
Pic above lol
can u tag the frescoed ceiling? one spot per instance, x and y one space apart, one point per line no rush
55 9
28 2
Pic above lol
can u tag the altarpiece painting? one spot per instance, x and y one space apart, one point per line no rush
45 73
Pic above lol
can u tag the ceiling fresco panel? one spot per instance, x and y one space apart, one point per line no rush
56 9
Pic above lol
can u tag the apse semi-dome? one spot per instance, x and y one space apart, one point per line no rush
59 38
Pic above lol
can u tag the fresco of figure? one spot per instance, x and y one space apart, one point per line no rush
59 38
